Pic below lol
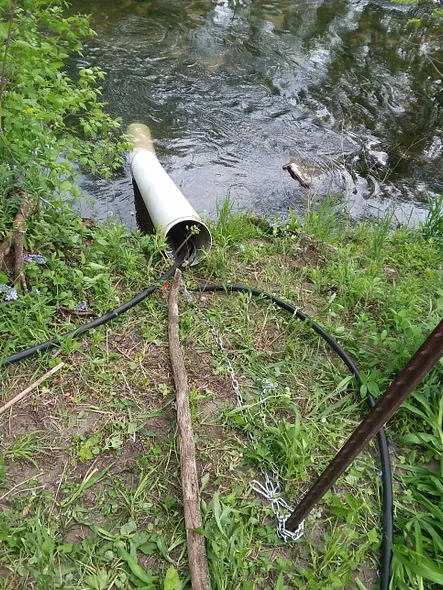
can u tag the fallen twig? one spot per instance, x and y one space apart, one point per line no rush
198 563
28 390
17 485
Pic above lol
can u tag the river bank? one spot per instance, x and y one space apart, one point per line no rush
90 483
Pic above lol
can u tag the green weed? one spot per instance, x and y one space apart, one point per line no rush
381 228
26 447
432 227
324 220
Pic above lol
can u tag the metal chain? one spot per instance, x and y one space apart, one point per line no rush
270 489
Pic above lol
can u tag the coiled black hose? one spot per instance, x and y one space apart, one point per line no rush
386 474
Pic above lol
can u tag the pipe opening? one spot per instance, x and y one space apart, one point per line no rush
195 236
194 233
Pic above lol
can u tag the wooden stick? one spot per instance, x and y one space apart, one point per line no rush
24 393
198 563
19 229
16 240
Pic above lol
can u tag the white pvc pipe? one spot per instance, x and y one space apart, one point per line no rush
171 214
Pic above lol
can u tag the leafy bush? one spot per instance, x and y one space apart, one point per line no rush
49 122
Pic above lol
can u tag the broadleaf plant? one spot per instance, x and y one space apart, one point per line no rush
51 122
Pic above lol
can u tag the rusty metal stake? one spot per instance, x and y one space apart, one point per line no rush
406 381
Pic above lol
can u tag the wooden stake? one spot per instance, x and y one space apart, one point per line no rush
28 390
198 563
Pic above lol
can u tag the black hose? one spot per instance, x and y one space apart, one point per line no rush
386 474
382 439
19 356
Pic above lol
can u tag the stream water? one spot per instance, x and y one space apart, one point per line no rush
350 90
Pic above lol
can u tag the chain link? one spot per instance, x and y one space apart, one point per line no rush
270 489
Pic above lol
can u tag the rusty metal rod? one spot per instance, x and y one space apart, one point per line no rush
406 381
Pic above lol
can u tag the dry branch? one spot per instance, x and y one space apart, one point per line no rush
31 388
15 242
17 237
198 564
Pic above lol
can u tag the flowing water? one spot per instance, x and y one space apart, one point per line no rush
350 90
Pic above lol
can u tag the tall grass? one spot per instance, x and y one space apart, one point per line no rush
324 221
381 229
432 227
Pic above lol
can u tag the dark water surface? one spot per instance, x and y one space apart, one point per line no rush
232 90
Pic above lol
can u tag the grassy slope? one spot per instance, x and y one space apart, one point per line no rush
90 483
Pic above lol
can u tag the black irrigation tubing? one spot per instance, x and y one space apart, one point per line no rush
386 473
385 574
24 354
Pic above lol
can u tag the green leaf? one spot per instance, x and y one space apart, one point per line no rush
433 509
128 528
98 581
148 548
161 546
217 512
427 570
204 481
48 546
438 541
132 427
95 266
373 388
89 480
417 439
134 566
3 278
280 582
172 581
344 384
373 536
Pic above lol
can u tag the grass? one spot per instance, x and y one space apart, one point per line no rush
89 473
